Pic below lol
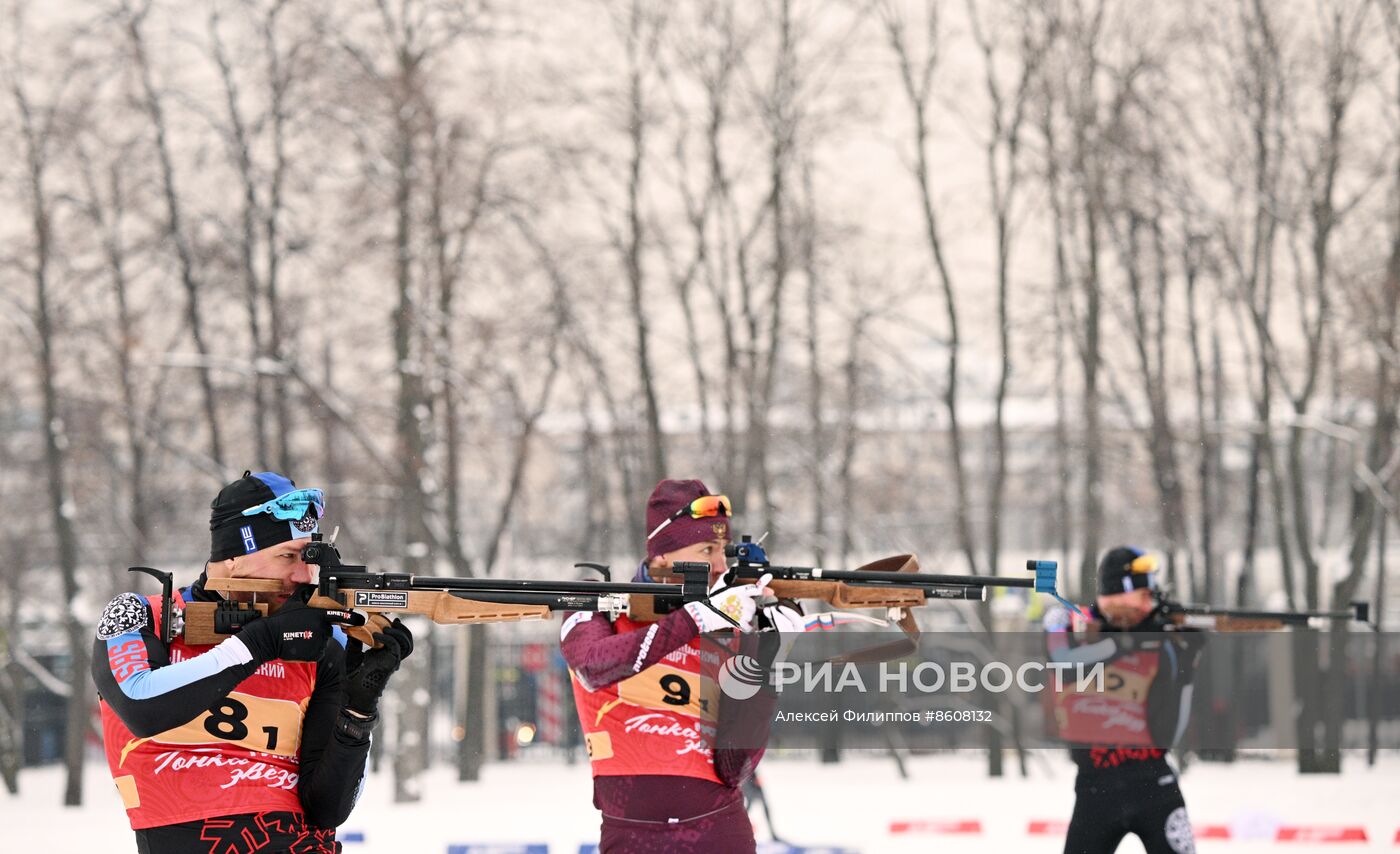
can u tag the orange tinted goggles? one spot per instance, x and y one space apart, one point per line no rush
1144 563
709 505
702 507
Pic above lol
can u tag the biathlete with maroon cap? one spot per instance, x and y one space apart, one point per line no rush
655 726
1121 735
258 743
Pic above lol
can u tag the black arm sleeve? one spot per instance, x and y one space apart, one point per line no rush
743 728
133 674
1169 698
334 746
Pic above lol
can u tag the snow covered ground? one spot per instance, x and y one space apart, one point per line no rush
858 804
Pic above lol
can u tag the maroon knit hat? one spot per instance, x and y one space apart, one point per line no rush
667 499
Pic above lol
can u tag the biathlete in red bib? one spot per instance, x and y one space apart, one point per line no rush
1120 736
655 724
258 743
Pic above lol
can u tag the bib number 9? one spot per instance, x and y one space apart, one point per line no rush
675 690
669 689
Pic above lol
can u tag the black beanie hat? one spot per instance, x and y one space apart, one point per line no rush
231 533
1126 568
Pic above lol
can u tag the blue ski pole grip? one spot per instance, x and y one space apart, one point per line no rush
1045 573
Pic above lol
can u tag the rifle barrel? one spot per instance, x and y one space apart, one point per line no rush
555 601
885 579
397 581
596 588
973 594
1294 617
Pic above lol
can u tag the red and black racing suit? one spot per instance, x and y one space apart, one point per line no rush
1133 789
215 752
700 808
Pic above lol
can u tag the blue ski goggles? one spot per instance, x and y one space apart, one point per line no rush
292 506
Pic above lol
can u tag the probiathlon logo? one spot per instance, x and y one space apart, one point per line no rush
740 677
382 599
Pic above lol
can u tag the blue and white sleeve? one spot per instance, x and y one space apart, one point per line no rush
133 674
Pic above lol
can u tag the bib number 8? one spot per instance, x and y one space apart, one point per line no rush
229 725
251 722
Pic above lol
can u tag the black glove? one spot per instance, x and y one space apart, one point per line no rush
368 671
782 615
296 632
1190 642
